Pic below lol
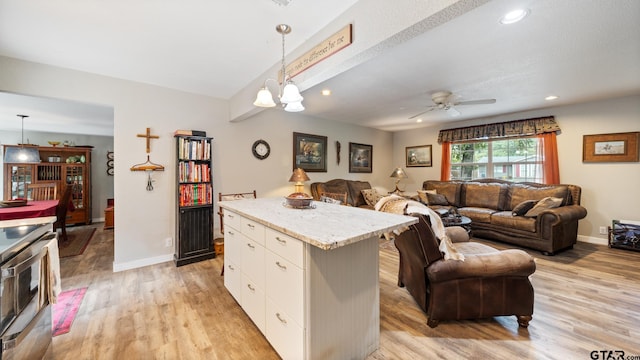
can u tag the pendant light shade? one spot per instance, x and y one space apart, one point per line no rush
291 94
294 107
264 98
22 154
288 92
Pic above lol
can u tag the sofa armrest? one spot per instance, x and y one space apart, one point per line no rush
457 234
511 262
563 214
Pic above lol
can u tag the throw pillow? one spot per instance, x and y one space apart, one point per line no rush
523 207
422 194
437 199
371 196
544 204
330 200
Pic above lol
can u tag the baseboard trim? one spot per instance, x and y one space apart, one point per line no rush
593 240
117 267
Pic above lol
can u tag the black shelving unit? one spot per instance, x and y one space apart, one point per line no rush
194 188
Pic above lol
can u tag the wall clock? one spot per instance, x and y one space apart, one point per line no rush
261 149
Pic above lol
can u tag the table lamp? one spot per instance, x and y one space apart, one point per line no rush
299 198
399 174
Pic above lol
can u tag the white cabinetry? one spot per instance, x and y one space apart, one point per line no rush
264 273
317 294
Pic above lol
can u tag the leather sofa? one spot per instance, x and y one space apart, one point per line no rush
489 203
353 189
487 283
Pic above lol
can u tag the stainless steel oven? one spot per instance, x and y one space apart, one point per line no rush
25 311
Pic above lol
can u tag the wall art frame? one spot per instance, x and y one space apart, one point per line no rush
418 156
309 152
616 147
360 158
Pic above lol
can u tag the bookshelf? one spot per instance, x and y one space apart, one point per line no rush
194 191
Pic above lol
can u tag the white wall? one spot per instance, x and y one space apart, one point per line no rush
609 190
101 183
145 219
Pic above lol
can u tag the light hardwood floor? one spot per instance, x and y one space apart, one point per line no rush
587 299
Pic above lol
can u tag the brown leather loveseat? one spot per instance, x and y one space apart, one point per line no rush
490 204
353 189
487 283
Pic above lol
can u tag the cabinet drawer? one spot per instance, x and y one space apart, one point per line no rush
285 286
232 244
285 246
286 337
253 230
233 279
253 302
253 260
231 219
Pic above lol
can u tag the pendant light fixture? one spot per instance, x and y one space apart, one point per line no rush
288 93
22 154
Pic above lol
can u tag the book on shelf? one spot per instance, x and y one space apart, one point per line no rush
189 133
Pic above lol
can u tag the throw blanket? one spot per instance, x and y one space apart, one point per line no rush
399 205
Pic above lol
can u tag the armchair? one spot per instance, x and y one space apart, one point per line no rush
487 283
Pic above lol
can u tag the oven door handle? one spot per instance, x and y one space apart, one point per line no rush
13 340
15 270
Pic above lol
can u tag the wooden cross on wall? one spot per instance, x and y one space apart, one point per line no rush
149 137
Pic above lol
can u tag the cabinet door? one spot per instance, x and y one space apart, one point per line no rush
285 286
253 302
253 260
286 337
232 258
17 177
196 232
76 175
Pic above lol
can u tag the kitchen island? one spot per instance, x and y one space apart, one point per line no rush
308 278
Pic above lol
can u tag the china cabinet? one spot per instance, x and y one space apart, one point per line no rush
63 165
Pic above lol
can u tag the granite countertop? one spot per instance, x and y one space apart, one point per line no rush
327 226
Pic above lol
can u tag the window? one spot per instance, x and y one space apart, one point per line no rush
515 159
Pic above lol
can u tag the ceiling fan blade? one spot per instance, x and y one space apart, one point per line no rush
453 112
431 108
476 102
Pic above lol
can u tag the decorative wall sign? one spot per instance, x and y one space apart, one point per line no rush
310 152
620 147
418 156
328 47
360 158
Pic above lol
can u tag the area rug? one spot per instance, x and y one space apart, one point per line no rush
78 240
65 310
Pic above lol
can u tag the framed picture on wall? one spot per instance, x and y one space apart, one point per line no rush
360 158
418 156
621 147
309 152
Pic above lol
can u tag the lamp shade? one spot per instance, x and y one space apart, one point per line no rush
291 94
21 154
264 98
294 107
298 176
399 173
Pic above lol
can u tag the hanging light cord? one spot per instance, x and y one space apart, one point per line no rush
284 74
23 116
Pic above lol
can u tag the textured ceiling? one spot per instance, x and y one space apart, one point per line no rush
578 50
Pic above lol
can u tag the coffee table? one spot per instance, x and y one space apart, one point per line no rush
457 220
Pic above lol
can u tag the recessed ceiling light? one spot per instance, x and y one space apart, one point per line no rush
419 120
326 92
551 97
514 16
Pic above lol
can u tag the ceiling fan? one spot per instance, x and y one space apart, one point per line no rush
445 100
